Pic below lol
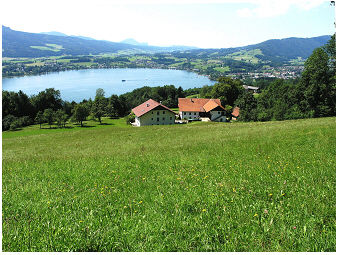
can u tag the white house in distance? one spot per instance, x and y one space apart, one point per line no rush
194 108
153 113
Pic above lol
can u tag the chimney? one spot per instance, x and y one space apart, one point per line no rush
147 105
160 102
191 100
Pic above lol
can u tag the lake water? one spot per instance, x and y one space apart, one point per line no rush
77 85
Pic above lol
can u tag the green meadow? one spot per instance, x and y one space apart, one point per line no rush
196 187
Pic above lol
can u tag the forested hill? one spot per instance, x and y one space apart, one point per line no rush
275 50
23 44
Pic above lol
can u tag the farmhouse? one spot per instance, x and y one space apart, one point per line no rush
153 113
194 108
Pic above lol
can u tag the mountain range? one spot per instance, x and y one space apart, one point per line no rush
23 44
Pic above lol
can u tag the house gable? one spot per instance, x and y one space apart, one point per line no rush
149 106
153 113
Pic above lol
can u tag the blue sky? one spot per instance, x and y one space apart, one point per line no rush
206 24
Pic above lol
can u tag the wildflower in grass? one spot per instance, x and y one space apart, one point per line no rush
270 194
80 221
204 210
140 202
255 215
265 211
294 227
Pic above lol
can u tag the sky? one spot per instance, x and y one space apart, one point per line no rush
204 24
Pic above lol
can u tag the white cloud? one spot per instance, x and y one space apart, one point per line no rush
273 8
244 13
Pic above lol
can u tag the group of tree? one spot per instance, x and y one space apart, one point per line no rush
19 110
311 96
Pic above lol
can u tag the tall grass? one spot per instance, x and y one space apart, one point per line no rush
196 187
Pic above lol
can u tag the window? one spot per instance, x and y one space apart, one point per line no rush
219 113
151 118
185 113
170 118
151 112
157 112
195 113
163 118
163 112
157 119
189 113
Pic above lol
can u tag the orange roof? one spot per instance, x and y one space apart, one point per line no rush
236 112
210 105
198 104
148 106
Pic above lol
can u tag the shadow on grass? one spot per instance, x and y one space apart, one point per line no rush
106 124
67 127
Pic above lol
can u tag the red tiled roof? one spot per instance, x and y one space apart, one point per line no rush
198 104
148 106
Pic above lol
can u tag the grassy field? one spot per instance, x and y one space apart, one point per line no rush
196 187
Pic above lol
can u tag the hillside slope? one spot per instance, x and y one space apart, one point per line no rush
275 50
22 44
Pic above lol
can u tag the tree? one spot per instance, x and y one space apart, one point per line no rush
99 107
100 93
112 108
317 84
247 104
80 113
49 116
50 98
40 118
61 118
227 90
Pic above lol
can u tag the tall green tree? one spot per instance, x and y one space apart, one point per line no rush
49 116
49 98
80 113
227 90
100 93
40 118
317 84
112 108
61 118
99 107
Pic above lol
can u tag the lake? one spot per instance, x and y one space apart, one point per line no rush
77 85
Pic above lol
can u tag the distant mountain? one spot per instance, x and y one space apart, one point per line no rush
62 34
22 44
289 48
53 33
275 50
134 42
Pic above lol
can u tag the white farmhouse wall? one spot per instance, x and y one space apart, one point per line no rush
156 117
189 115
217 116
